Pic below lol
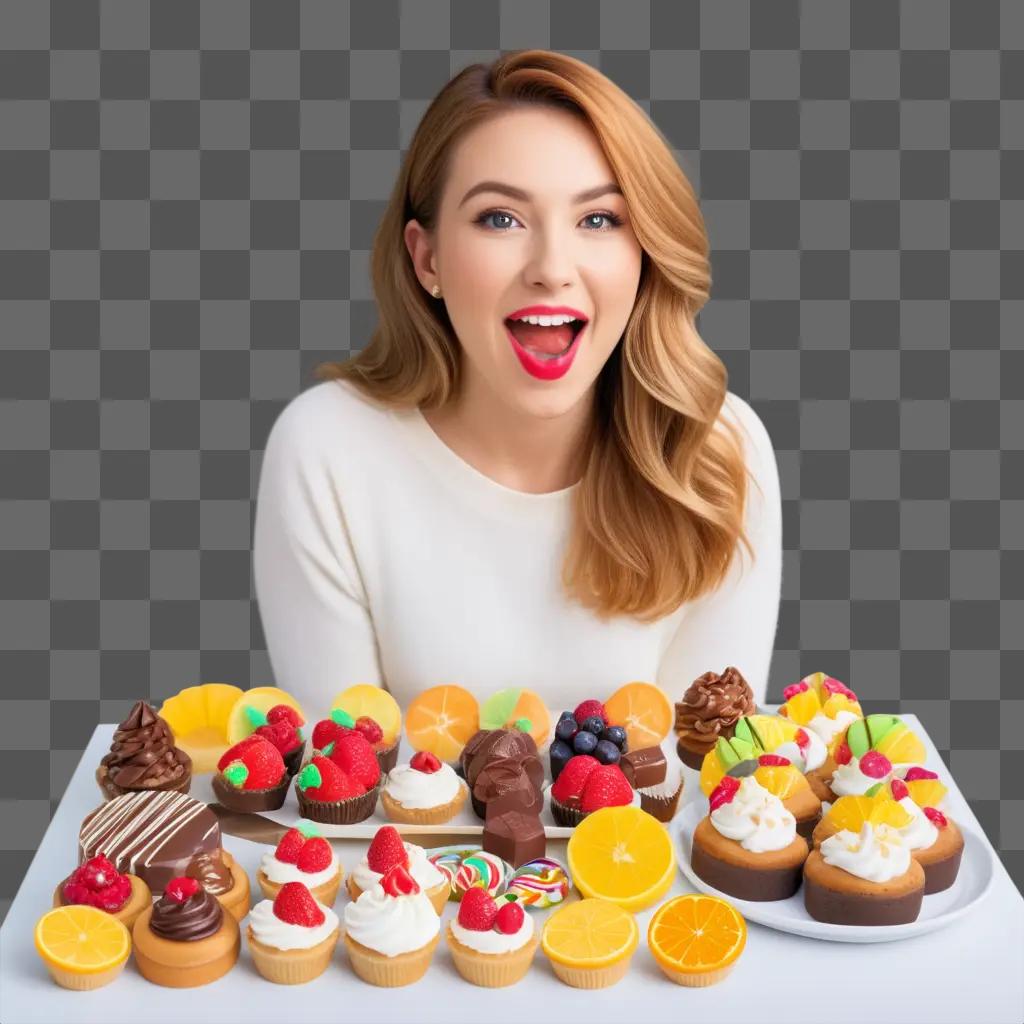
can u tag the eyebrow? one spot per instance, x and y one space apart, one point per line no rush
518 193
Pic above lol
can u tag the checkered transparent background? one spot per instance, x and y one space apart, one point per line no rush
188 194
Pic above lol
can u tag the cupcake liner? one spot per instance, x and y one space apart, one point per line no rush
387 757
84 982
591 977
661 807
293 760
703 979
491 970
292 966
341 812
326 892
566 816
249 801
389 971
422 815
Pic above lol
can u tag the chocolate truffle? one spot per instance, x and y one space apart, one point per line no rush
507 745
515 837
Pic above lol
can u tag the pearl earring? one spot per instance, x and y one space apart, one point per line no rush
436 291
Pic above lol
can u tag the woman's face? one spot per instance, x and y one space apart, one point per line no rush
495 254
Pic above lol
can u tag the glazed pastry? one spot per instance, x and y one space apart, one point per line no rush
710 709
97 883
185 938
329 794
387 850
143 757
303 856
292 937
748 846
391 931
426 791
251 776
492 942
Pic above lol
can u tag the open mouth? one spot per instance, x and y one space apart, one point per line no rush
546 342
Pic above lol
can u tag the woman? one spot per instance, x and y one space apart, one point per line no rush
480 500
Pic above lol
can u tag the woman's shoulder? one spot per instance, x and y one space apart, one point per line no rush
756 438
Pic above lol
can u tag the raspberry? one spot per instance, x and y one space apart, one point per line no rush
288 848
370 730
323 780
509 918
573 777
606 786
294 904
282 734
355 757
936 817
285 713
899 789
325 733
426 762
791 691
181 889
76 891
398 882
97 873
477 910
315 856
588 709
802 739
773 761
114 897
724 792
916 772
875 765
843 753
386 850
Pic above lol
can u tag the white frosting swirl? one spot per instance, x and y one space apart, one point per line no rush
669 785
827 727
419 790
492 941
849 780
755 818
920 833
269 929
279 872
877 854
811 757
427 875
391 924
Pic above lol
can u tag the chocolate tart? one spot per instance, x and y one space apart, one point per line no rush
760 877
566 815
293 760
339 812
250 801
835 896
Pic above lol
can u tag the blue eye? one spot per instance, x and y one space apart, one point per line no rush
613 220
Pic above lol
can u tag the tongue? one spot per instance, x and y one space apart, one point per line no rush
545 340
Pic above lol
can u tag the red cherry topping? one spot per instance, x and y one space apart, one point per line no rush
181 889
899 789
773 761
426 762
509 918
724 792
844 755
936 817
802 739
791 691
371 731
875 765
398 882
915 773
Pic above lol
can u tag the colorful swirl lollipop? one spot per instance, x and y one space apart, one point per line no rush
467 867
541 883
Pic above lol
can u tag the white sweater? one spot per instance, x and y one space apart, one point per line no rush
381 556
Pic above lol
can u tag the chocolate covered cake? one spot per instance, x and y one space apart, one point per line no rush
143 757
512 752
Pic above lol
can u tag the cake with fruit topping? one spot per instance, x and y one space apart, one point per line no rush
863 878
872 750
492 942
97 883
426 791
374 712
821 704
328 733
292 936
185 938
748 845
387 849
586 730
342 788
302 855
585 785
391 931
709 710
143 757
281 726
251 776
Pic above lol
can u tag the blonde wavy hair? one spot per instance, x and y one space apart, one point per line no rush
658 514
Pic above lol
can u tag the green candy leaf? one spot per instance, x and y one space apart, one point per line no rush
872 790
858 739
328 750
309 777
755 736
236 773
510 897
340 717
307 828
524 724
255 716
743 730
881 725
498 708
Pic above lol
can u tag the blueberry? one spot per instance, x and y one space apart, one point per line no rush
617 735
566 728
607 752
560 753
584 742
566 714
594 724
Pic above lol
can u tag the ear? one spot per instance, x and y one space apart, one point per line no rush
420 245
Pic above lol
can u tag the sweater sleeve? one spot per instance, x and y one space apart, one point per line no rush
735 624
312 601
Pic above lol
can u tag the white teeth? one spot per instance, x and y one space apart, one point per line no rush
547 321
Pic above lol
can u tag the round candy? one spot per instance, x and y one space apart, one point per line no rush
468 867
541 883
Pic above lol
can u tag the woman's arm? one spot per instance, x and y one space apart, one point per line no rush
316 618
735 624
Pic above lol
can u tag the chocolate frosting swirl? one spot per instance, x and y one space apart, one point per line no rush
712 705
143 755
199 917
212 874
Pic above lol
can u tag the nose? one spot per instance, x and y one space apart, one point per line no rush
551 262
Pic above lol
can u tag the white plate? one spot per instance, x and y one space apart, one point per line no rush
937 911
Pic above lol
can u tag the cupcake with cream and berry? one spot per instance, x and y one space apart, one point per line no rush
872 750
748 845
426 791
281 726
340 723
331 793
97 883
302 855
492 941
585 785
251 776
386 850
292 936
821 704
391 931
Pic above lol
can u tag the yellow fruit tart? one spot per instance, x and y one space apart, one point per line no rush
83 947
590 942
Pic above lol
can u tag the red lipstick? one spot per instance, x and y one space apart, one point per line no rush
536 366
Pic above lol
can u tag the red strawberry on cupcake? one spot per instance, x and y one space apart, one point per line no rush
329 793
302 855
492 941
251 776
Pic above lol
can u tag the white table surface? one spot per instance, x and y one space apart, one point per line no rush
970 971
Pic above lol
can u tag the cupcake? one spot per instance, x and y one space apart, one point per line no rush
709 709
281 726
251 776
328 794
870 751
143 757
303 856
584 785
426 791
492 942
391 931
386 850
185 938
83 948
822 705
374 712
782 778
292 937
590 943
97 883
865 878
659 784
748 846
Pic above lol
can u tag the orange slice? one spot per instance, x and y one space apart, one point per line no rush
198 717
644 711
79 944
927 792
589 933
902 746
441 720
373 702
622 854
696 939
782 780
851 812
802 707
516 708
